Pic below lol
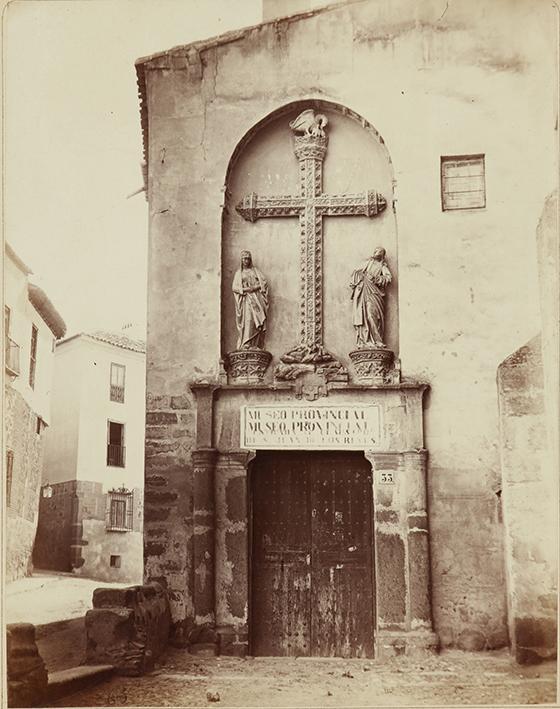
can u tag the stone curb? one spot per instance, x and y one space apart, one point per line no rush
74 679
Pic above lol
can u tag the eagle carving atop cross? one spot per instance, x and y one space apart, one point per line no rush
311 205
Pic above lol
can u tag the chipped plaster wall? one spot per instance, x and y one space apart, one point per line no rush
434 79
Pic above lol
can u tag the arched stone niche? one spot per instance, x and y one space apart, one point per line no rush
264 162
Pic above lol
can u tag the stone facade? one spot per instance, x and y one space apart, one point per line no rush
402 86
72 533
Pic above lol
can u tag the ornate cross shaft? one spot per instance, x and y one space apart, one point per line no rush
311 206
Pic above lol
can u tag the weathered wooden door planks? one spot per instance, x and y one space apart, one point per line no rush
312 578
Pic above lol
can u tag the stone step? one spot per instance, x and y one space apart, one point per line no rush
65 682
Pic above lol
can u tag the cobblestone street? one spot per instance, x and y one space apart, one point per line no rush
452 678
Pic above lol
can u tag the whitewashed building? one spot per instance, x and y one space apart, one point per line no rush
94 460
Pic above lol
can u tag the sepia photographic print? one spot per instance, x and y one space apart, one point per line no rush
281 353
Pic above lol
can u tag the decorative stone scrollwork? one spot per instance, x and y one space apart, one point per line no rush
310 147
373 366
247 366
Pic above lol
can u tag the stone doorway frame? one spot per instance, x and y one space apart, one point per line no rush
221 544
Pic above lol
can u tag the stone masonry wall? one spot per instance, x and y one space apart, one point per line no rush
23 500
432 83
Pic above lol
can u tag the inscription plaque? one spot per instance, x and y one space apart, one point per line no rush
313 427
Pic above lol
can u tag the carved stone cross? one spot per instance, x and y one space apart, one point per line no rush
311 205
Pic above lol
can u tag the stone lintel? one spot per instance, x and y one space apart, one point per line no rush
351 386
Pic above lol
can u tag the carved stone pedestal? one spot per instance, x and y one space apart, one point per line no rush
247 366
374 365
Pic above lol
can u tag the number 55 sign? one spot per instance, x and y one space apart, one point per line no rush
385 477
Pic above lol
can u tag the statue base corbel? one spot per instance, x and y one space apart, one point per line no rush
310 369
247 366
375 365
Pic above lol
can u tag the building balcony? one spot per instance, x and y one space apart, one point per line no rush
116 455
117 393
12 357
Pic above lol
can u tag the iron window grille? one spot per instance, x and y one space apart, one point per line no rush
120 510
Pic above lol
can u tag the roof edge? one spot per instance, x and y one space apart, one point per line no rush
138 346
42 304
16 259
234 35
194 48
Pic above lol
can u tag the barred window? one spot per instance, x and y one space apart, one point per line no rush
119 510
463 183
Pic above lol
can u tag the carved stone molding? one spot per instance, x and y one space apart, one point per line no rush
311 205
247 366
373 366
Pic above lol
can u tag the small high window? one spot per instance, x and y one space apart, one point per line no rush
117 382
463 182
33 356
119 510
115 561
115 444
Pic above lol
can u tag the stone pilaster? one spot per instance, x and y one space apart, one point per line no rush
419 584
401 547
204 462
232 552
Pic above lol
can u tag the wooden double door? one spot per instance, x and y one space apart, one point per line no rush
312 581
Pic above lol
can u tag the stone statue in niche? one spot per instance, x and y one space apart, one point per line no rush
373 361
368 299
247 364
250 291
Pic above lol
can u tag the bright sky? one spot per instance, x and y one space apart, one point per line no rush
72 142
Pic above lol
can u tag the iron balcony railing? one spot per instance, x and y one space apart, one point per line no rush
12 356
117 393
116 455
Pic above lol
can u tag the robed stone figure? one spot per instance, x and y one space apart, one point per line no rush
368 293
250 291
